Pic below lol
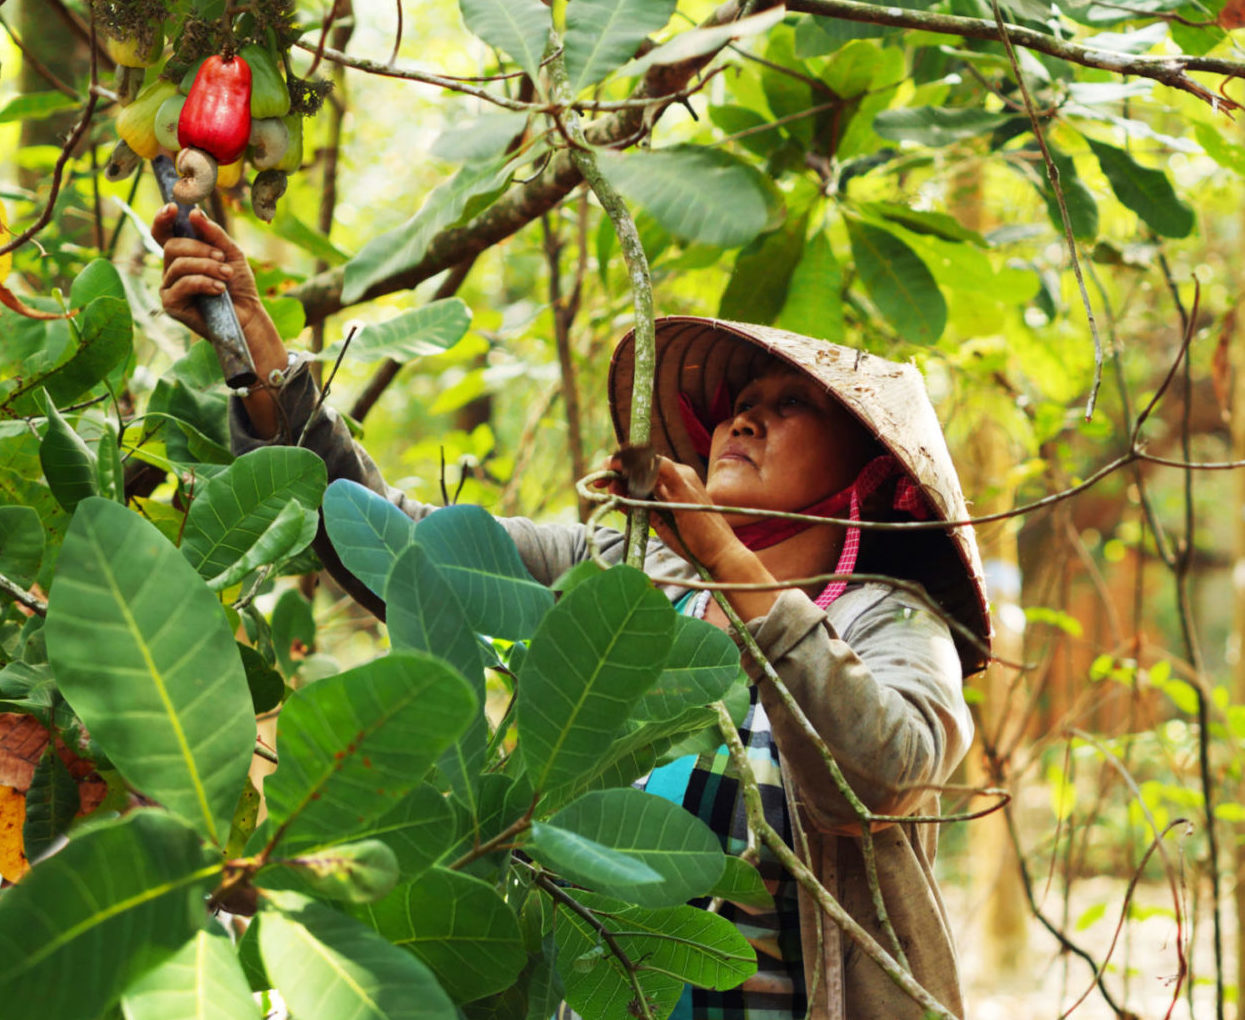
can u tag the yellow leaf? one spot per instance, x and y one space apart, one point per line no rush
6 261
13 863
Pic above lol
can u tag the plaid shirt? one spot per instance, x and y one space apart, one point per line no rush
709 788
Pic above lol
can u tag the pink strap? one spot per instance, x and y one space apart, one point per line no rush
700 430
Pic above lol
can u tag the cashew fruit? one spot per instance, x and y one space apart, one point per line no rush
217 114
269 96
136 123
122 162
269 140
197 172
267 187
166 121
293 158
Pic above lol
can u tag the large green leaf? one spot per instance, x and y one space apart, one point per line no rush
290 532
113 903
418 831
659 833
232 511
603 34
899 283
742 883
447 206
814 304
203 980
486 137
328 966
761 274
68 463
424 614
682 944
1147 192
519 28
595 653
703 663
936 126
33 106
21 544
367 531
697 194
480 562
459 926
429 329
105 339
353 745
143 653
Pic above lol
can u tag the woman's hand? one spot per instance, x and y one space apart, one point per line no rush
209 265
202 266
701 535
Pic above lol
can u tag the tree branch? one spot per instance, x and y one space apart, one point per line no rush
321 295
1167 70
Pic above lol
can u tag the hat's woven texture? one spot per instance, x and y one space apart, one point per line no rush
696 356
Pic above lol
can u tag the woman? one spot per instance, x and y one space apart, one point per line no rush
761 419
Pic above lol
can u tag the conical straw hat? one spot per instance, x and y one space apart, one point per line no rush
695 356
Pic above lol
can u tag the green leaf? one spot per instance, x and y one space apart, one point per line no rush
595 653
1225 153
814 305
287 315
1147 192
702 664
21 544
418 831
51 803
328 966
110 474
353 745
203 980
703 949
486 137
936 126
587 862
119 900
741 883
99 278
232 512
1082 208
431 329
519 28
695 193
144 655
29 690
290 228
652 830
290 532
266 685
898 282
68 463
292 620
34 106
696 42
359 872
424 614
448 205
459 926
601 35
758 284
367 531
105 339
481 564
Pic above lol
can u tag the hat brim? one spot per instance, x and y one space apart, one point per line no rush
695 356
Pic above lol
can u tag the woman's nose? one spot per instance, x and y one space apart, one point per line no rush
746 423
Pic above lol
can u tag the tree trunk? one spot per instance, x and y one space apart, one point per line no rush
1000 908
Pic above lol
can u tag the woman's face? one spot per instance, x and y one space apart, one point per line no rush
787 445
